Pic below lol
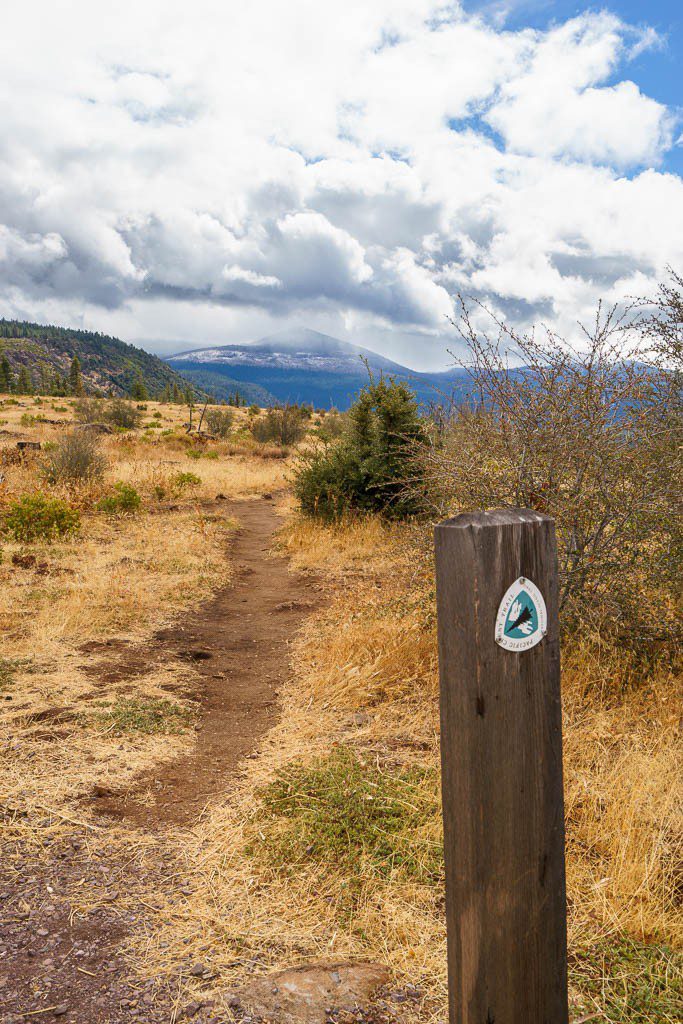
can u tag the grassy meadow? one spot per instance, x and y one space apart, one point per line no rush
328 842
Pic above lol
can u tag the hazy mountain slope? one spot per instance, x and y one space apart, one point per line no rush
107 364
305 366
210 379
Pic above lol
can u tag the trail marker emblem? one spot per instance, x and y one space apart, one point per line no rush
522 619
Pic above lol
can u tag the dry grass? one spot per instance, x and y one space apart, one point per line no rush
120 579
363 680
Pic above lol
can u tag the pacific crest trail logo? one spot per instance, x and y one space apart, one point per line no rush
522 619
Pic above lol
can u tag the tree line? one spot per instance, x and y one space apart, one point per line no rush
43 380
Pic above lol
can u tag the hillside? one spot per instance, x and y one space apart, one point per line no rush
107 364
302 365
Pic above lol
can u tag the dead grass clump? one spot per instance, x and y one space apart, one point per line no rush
76 459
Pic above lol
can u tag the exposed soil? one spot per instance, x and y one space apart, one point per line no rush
57 964
237 643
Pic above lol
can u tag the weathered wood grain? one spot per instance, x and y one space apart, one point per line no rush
501 734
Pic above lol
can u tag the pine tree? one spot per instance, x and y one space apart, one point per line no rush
177 398
24 383
138 392
166 396
188 396
6 376
75 377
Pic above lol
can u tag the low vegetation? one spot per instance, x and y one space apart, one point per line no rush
116 411
124 500
367 821
280 425
371 465
75 459
150 716
328 843
37 517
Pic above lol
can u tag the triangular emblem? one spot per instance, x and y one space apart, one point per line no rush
522 618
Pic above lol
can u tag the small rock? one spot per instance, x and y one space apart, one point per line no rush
197 970
42 932
100 791
60 1010
191 1009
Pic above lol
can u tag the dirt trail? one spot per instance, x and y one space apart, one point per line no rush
237 643
68 967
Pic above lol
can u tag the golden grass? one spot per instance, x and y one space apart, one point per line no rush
373 649
364 676
121 579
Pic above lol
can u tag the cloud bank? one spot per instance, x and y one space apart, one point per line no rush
209 172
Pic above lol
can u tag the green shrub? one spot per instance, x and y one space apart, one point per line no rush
219 421
37 517
75 459
124 500
27 420
370 468
182 481
283 425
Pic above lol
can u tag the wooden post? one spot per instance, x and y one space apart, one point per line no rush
501 740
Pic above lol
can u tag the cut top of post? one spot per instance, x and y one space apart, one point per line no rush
496 517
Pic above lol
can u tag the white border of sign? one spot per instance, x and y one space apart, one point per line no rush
527 642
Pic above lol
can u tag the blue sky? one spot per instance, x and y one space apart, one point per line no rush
657 71
188 175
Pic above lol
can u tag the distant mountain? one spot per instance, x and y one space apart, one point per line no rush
302 365
107 364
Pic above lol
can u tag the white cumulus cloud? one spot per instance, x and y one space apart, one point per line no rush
209 173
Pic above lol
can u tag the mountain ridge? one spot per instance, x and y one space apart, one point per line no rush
303 365
107 363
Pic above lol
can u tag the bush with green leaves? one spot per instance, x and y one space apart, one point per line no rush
183 481
281 425
75 459
372 467
124 500
219 421
37 517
